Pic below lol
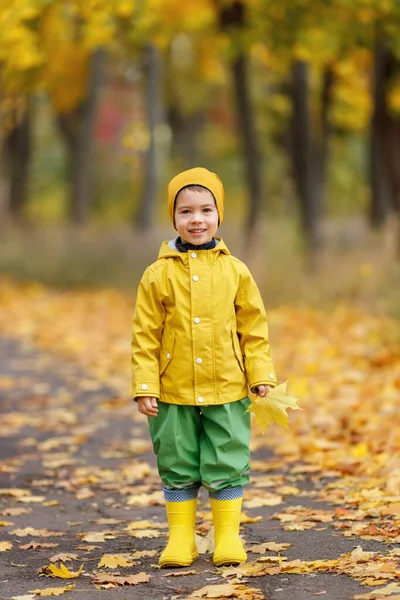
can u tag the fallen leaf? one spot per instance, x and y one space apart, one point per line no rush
63 557
227 590
268 546
180 573
273 407
98 536
38 545
101 579
63 572
15 511
36 532
205 544
4 546
54 591
112 561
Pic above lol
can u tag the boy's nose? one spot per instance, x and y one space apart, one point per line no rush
196 218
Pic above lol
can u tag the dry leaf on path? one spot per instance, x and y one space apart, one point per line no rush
38 545
4 546
228 590
273 407
63 556
180 573
63 572
112 561
268 546
54 591
378 593
117 580
36 532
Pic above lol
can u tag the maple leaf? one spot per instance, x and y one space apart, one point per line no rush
227 590
54 591
4 546
38 545
273 407
104 579
63 556
111 561
63 572
268 546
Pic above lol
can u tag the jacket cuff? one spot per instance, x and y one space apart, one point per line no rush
146 388
261 377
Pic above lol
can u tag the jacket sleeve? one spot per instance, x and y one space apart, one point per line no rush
252 329
148 323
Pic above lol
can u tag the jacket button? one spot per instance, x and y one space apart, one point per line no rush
195 277
200 399
199 361
144 387
271 376
168 355
193 255
196 320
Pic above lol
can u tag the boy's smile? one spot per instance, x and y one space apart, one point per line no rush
196 216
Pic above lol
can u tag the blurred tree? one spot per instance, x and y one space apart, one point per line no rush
17 151
233 22
144 214
56 47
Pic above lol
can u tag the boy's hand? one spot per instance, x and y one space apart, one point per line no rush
148 406
262 390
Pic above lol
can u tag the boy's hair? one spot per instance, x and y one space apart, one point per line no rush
194 187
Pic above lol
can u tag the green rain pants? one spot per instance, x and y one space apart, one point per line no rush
206 446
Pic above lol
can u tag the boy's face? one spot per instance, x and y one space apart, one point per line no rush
196 216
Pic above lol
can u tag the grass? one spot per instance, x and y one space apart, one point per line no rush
355 265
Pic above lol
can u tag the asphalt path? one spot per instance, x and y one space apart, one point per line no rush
75 459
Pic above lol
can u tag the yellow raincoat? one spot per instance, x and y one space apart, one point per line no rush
200 334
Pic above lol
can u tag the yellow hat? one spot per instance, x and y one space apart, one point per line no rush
196 176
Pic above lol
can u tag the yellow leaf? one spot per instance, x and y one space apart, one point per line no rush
273 407
63 572
113 561
53 591
5 546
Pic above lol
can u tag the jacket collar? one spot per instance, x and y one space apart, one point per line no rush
168 249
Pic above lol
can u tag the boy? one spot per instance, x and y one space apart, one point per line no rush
200 340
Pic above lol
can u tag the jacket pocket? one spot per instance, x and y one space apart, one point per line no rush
237 350
167 350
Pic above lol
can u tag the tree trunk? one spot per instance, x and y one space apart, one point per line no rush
321 146
144 216
305 170
245 117
380 200
77 129
18 150
233 18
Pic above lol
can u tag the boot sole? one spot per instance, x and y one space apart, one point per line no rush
177 562
229 560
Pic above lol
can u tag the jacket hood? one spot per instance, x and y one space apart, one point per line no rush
168 249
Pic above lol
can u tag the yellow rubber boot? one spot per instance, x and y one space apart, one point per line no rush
181 549
228 545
